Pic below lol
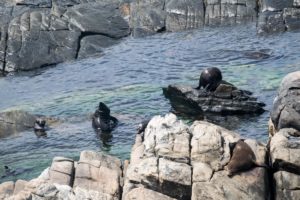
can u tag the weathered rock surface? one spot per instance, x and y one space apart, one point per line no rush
185 162
38 33
286 107
94 176
227 99
15 121
278 16
284 128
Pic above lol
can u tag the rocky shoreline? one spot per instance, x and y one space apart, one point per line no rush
39 33
171 160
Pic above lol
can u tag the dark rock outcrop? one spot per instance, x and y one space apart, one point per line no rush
38 33
226 99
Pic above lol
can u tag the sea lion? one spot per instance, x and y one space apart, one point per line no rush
242 158
102 119
210 79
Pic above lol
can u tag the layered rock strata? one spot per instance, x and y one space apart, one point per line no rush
284 138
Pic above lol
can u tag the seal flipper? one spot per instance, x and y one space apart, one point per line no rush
114 121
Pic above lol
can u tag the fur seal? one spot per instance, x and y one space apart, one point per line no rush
102 119
210 79
242 158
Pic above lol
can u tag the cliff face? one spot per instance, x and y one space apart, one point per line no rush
38 33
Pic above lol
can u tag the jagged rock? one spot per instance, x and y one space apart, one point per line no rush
275 5
32 44
12 122
226 99
99 172
98 18
286 107
182 15
230 11
94 45
284 153
61 171
199 176
292 18
143 193
270 22
147 17
296 3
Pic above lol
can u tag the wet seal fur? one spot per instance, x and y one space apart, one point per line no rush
210 79
242 158
40 127
102 120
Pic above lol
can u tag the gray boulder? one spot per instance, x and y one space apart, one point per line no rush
185 162
286 106
284 153
226 99
270 22
229 11
12 122
182 15
275 5
292 18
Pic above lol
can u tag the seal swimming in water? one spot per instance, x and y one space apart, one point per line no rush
210 79
40 127
102 119
242 158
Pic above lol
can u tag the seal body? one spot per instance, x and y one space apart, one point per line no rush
210 79
242 159
102 119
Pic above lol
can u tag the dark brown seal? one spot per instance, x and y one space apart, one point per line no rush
210 79
242 158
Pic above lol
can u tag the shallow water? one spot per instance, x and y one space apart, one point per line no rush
129 79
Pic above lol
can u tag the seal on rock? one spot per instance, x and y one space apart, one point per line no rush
210 79
242 158
102 120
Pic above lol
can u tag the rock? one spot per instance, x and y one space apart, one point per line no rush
229 11
12 122
94 45
6 189
183 15
270 22
147 18
30 38
275 5
61 171
98 18
286 106
143 193
292 18
38 3
99 172
226 100
284 153
296 3
159 167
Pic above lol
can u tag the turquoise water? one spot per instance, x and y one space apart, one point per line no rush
129 79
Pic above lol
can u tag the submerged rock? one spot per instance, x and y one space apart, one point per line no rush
226 99
185 162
